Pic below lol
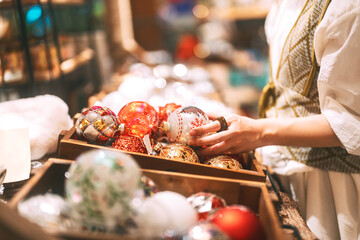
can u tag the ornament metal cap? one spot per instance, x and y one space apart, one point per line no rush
121 128
158 147
166 126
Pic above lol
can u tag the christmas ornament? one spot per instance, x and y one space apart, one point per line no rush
129 143
179 152
149 186
101 186
224 161
138 118
50 211
97 125
181 121
164 211
239 223
165 111
205 231
206 204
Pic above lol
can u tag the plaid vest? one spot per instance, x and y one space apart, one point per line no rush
294 93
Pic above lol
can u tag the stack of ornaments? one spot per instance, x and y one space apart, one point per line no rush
107 193
139 127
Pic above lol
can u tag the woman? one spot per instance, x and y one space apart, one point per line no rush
310 133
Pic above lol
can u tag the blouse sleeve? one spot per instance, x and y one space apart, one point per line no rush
337 50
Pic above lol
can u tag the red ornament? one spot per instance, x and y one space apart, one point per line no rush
205 204
138 118
239 223
165 111
129 143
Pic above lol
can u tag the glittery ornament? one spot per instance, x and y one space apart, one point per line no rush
149 186
205 231
179 152
181 121
129 143
101 187
239 223
138 118
97 125
165 111
206 203
224 161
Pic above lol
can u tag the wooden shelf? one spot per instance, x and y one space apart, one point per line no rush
10 3
239 13
66 67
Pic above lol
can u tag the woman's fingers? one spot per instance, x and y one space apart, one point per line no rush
211 127
212 116
221 148
213 149
209 139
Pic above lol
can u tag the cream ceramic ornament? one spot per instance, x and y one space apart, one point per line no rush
181 121
101 186
164 211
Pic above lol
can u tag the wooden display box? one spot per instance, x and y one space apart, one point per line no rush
251 194
69 147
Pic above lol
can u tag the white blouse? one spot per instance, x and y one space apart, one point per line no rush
337 50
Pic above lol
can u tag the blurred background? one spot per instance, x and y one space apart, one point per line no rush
108 52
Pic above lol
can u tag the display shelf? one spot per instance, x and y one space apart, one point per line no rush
66 67
254 195
10 3
239 13
70 147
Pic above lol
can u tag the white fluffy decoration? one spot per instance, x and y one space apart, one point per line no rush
45 115
165 211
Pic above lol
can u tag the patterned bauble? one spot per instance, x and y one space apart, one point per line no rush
224 161
239 223
97 125
138 118
101 187
206 204
129 143
205 231
179 152
181 121
164 112
149 186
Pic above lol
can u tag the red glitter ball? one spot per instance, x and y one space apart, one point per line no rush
129 143
140 118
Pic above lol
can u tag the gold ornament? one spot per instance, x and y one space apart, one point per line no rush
179 152
224 161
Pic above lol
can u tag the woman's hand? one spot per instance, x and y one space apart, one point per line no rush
244 134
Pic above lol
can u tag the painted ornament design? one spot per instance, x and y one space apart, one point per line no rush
98 125
181 121
101 186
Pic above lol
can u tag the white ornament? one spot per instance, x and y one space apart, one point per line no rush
181 121
165 211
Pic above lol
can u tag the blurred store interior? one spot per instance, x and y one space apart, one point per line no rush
109 52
